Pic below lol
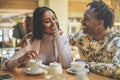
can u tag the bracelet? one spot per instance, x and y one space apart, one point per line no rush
19 60
7 65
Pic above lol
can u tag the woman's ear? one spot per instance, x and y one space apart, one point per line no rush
57 23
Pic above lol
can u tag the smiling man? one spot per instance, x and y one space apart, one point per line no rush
98 43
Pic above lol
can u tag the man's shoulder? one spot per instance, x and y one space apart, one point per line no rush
114 37
114 33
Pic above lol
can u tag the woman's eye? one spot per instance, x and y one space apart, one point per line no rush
54 18
47 21
50 20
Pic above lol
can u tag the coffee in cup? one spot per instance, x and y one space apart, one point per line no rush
33 65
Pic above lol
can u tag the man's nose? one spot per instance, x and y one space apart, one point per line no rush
82 22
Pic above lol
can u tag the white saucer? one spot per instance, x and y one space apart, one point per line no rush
69 70
40 72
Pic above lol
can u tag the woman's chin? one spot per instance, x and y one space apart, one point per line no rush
48 33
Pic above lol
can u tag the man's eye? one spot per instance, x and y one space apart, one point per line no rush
86 19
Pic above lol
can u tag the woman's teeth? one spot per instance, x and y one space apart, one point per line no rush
52 28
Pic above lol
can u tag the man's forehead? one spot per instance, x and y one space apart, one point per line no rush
89 12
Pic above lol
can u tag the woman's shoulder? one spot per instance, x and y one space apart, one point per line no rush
27 39
28 35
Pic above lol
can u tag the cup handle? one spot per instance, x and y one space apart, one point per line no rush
87 66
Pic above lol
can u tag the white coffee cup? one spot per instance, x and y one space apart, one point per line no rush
77 65
33 65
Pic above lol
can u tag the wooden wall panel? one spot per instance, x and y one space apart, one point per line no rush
77 7
18 4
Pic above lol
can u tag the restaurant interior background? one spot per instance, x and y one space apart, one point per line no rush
69 13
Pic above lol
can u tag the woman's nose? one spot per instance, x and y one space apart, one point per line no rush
53 23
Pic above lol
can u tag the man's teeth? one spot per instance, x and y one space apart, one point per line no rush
84 26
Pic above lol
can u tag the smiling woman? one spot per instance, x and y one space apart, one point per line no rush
46 44
47 20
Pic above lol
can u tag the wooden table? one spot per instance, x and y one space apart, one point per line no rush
19 74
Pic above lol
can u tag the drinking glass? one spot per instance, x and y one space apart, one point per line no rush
82 76
55 77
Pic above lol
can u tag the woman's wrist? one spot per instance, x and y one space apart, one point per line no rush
20 61
56 34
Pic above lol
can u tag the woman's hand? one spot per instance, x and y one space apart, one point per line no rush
26 57
57 32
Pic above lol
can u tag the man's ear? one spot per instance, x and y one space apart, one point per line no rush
101 22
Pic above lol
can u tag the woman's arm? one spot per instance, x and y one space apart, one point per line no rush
64 54
12 63
22 56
